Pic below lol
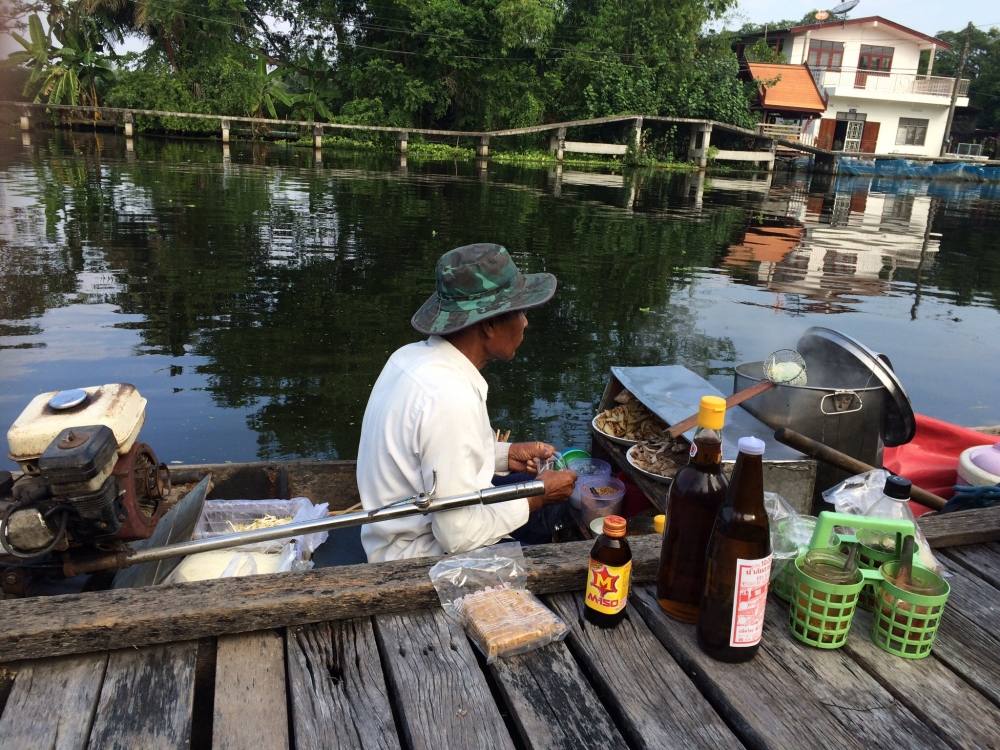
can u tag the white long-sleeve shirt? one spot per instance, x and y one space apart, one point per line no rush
426 413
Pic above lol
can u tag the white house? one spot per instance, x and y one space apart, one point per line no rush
879 100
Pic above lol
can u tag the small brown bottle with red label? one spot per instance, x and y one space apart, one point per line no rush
608 575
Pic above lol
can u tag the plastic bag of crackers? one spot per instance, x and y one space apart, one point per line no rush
485 591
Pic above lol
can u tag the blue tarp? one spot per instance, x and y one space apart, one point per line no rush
906 168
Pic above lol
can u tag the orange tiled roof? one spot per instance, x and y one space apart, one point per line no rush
795 88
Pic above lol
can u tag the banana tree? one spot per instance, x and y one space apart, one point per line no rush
271 90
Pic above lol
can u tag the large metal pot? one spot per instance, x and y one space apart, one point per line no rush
853 401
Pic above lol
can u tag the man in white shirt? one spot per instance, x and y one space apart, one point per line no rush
426 416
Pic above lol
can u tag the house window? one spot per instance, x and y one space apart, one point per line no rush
912 132
875 59
824 55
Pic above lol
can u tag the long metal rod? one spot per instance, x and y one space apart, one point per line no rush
390 512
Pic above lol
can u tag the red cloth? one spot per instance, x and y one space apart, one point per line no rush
930 460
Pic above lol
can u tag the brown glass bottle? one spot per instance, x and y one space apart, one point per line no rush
739 564
695 495
608 575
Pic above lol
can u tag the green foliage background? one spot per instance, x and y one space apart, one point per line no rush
470 64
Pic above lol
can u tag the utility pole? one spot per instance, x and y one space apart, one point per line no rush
954 89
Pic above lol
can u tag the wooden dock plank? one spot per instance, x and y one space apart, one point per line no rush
981 559
338 693
933 692
967 639
102 620
147 699
441 695
655 702
250 705
551 703
975 598
791 695
52 703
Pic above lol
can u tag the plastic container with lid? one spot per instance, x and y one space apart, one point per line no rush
980 465
586 468
118 406
599 497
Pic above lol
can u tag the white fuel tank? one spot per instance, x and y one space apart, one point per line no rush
119 406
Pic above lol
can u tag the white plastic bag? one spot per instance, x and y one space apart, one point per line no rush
860 495
485 592
237 562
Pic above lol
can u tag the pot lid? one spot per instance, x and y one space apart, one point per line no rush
838 350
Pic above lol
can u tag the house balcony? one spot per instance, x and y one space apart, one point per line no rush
903 87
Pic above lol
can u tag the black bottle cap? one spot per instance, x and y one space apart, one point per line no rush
898 487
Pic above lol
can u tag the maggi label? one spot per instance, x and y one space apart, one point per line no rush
607 587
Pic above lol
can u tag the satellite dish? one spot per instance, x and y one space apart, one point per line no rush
844 7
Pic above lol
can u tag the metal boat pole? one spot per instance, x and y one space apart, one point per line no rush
420 505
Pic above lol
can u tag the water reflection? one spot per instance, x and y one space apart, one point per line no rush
253 293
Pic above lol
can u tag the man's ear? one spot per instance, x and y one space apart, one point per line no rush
488 328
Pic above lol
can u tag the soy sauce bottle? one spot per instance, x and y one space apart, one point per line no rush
608 575
731 620
695 496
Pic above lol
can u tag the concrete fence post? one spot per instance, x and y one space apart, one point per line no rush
706 141
404 142
483 149
560 144
225 131
637 135
317 136
25 120
128 124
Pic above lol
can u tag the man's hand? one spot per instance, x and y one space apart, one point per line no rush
558 486
529 456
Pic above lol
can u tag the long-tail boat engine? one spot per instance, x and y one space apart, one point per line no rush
86 485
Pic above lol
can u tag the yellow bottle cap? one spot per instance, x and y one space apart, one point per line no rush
712 412
659 523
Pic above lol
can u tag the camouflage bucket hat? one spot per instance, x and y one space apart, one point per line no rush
477 282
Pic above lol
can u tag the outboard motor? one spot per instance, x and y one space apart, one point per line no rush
87 482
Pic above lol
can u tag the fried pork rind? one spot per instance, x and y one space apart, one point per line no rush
630 420
658 456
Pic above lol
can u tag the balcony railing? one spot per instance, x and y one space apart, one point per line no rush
785 132
890 83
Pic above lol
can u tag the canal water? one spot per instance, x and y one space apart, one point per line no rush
253 297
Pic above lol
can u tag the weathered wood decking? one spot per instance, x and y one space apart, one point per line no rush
407 680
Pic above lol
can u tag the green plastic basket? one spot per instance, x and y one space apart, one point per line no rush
820 613
905 623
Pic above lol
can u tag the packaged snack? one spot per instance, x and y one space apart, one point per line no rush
485 592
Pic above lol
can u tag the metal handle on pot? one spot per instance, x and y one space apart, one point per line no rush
840 394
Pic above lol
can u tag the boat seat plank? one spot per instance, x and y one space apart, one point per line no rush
655 702
250 707
52 703
147 699
978 526
981 559
336 687
441 695
791 696
550 702
932 691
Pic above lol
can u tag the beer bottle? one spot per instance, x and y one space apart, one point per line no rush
739 564
695 495
608 575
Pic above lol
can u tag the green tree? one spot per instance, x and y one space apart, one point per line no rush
982 67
